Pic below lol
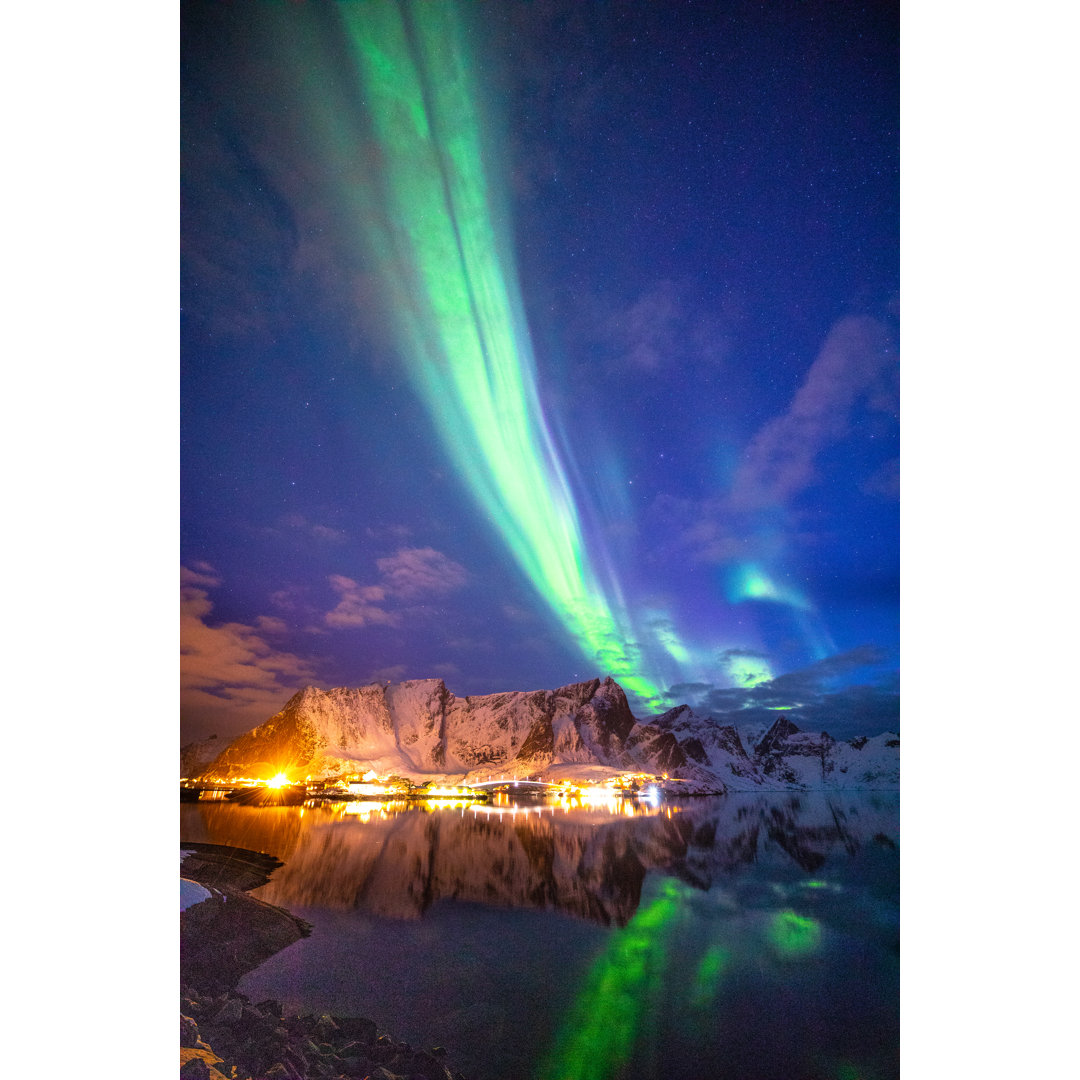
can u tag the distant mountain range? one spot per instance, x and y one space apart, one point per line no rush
421 730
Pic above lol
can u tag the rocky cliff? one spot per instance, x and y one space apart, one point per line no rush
421 730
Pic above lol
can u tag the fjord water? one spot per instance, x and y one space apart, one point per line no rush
750 936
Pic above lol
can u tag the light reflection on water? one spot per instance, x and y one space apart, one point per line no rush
748 936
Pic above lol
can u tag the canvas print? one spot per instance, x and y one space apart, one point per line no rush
539 598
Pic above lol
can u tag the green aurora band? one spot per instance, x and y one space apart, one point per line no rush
794 936
604 1022
442 254
377 107
709 973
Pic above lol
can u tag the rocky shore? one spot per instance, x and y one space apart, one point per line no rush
224 933
226 1037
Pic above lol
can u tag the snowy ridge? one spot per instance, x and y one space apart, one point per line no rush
195 756
421 730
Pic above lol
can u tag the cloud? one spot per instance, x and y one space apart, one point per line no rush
200 573
232 676
885 482
416 572
518 614
394 532
395 673
646 330
811 697
287 599
359 605
410 574
318 532
234 212
661 330
851 384
780 460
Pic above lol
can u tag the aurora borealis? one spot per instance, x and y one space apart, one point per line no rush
449 279
529 343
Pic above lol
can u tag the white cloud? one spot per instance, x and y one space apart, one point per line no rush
417 572
359 605
780 460
410 574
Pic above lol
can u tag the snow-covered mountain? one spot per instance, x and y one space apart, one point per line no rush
421 730
195 756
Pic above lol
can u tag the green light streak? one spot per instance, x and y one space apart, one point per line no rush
675 648
602 1026
707 980
794 936
747 670
440 243
750 582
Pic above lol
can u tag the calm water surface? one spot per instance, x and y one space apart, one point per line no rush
752 937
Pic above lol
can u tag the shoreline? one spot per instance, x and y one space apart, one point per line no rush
224 934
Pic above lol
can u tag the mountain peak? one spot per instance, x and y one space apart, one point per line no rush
420 729
777 735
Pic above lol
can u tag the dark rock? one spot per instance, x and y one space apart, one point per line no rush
295 1025
693 749
270 1008
253 1020
223 938
277 1071
189 1032
295 1057
438 1051
781 730
325 1028
195 1069
355 1064
428 1067
357 1028
228 869
382 1050
229 1013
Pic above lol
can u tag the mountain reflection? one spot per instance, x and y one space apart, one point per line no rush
396 860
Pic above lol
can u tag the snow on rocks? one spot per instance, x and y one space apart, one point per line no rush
420 730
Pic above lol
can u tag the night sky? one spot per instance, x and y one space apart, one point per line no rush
523 343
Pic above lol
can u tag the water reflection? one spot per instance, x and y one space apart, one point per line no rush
585 859
747 936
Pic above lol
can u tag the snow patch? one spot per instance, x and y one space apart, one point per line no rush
192 893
